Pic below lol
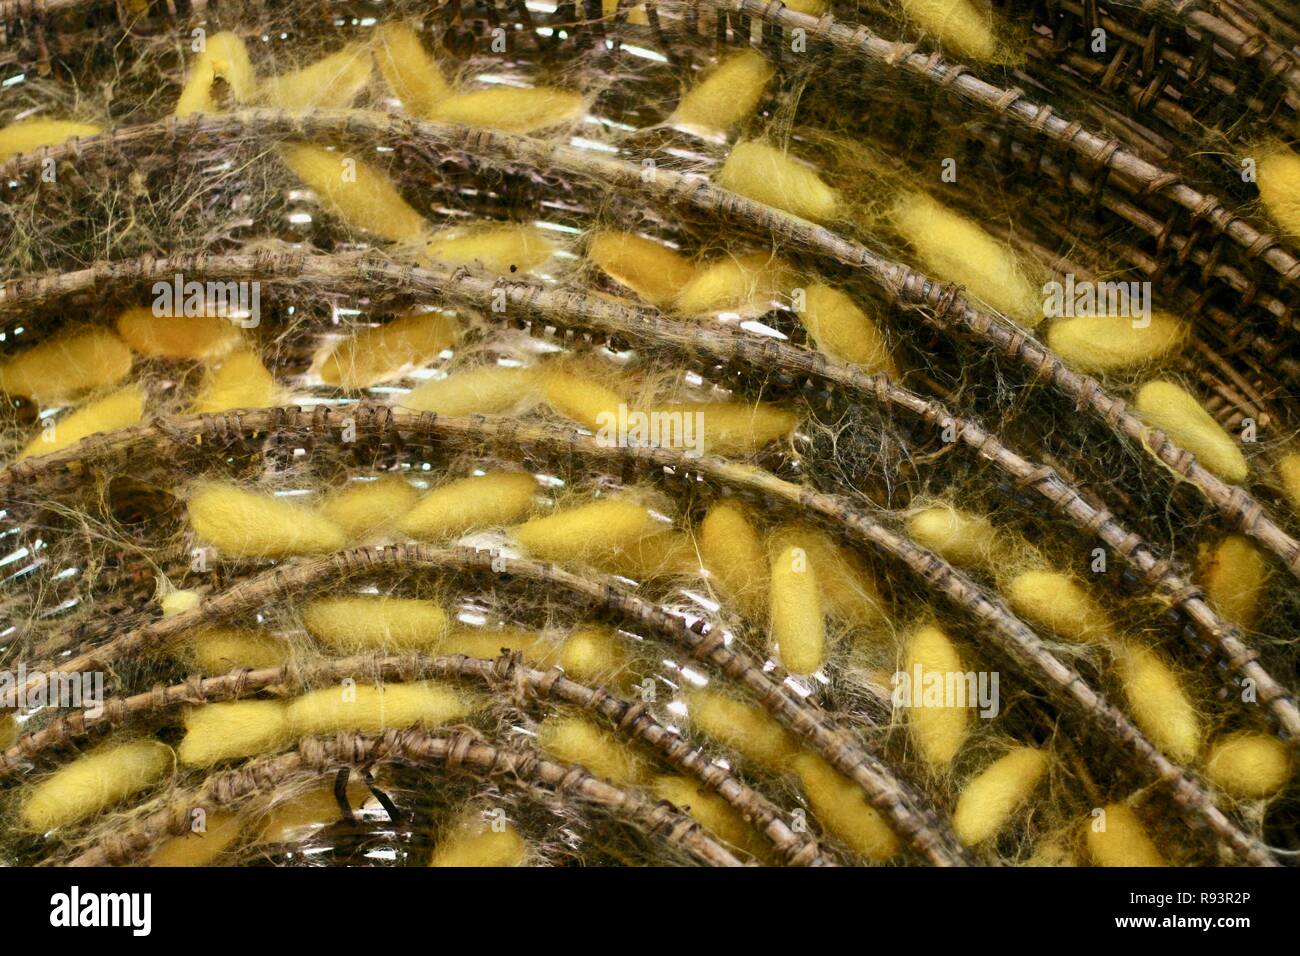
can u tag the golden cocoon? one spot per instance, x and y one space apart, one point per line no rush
293 818
988 801
848 589
745 728
1060 604
593 654
357 624
746 283
960 537
843 811
489 390
1107 343
366 709
237 728
578 741
477 843
797 625
1119 839
240 380
650 269
769 176
963 27
597 531
955 249
199 847
411 73
1176 412
576 396
66 366
388 351
179 601
938 726
177 336
360 195
666 552
502 249
332 82
1278 178
709 810
224 58
510 109
731 428
364 508
120 409
248 524
1234 573
486 501
1157 701
486 643
29 135
94 782
842 330
727 96
217 650
1248 765
732 551
8 731
1288 474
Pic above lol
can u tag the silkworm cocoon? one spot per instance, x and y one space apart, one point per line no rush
411 73
356 624
1233 574
735 428
709 810
355 192
240 380
580 398
593 654
363 508
848 588
1105 343
237 728
224 57
330 83
650 269
989 800
1060 604
489 643
1248 765
26 136
177 337
960 25
509 249
1157 702
578 741
490 390
94 782
218 650
366 709
842 330
798 627
938 728
745 283
842 810
476 843
809 8
247 524
497 498
120 409
1123 841
292 819
749 730
656 555
66 366
600 530
1278 178
510 109
957 250
769 176
958 536
388 351
733 552
178 602
1172 409
221 829
728 95
8 731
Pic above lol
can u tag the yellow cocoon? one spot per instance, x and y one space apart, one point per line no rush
388 351
736 428
848 589
769 176
797 625
1233 574
664 553
733 553
221 829
1176 412
1288 474
237 728
224 57
177 337
809 8
356 192
937 730
600 530
178 602
749 730
579 397
218 650
1157 702
239 381
961 26
842 330
1123 842
26 136
482 391
989 800
363 508
650 269
8 731
290 820
66 366
957 250
368 710
508 249
247 524
487 643
94 782
842 810
497 498
357 624
578 741
592 654
728 95
745 283
510 109
957 536
475 844
709 810
1278 178
411 73
330 83
1248 765
120 409
1060 604
1105 343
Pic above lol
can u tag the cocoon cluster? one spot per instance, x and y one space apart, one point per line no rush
388 351
1171 408
95 781
247 524
767 175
